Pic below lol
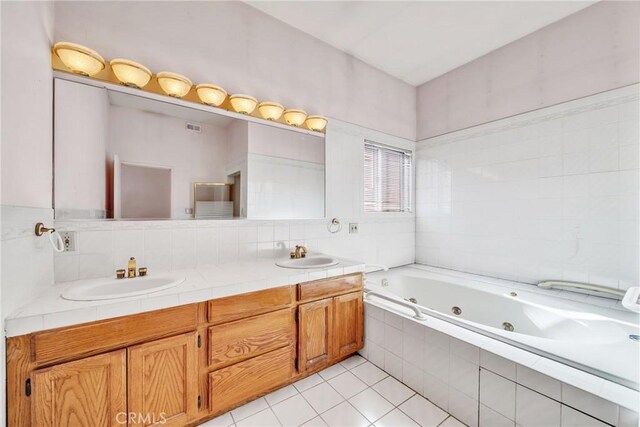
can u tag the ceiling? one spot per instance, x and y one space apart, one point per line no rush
417 41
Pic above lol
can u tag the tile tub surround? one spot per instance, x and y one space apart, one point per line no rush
551 193
482 381
48 310
351 393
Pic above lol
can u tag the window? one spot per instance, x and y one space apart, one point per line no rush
387 179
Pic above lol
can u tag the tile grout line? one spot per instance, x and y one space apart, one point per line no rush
317 414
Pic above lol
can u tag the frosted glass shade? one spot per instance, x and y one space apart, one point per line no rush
211 94
244 104
295 117
79 59
130 73
317 123
270 110
174 84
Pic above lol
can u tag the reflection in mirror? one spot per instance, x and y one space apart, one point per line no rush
124 156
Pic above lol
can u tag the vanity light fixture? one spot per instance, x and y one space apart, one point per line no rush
243 104
295 117
130 73
316 123
79 59
211 94
173 84
270 110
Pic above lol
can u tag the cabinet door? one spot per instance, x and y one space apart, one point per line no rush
315 341
348 323
86 392
163 381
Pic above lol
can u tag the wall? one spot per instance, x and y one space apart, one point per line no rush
284 188
157 140
161 245
237 157
591 51
244 51
550 194
286 174
80 132
276 142
26 31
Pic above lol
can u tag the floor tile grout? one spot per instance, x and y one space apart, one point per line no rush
343 399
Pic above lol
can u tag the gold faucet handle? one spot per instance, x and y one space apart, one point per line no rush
142 271
120 273
292 255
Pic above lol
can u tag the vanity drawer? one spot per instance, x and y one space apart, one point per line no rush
329 287
246 380
234 342
91 338
236 307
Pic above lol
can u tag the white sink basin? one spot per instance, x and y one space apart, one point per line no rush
120 288
314 261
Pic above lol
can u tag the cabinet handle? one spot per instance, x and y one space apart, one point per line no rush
199 401
199 341
27 387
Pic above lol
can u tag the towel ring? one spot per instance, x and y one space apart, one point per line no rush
58 243
334 226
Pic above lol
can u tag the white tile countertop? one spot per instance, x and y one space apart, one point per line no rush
49 310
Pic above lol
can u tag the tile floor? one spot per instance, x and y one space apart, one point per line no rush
351 393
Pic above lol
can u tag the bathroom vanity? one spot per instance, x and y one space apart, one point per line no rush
184 364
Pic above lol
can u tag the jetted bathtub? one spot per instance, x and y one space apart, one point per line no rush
596 339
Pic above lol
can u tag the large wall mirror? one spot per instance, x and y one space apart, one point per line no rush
119 155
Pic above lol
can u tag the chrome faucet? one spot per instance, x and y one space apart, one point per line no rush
300 252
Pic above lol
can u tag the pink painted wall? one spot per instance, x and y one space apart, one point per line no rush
27 93
594 50
245 51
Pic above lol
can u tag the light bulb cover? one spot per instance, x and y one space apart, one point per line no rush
243 104
270 110
174 84
130 73
211 94
79 59
295 117
316 123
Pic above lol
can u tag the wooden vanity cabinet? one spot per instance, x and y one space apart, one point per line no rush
330 328
163 381
315 336
182 365
348 324
86 392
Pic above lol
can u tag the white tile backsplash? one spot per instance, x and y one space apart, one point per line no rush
201 243
27 260
542 195
170 245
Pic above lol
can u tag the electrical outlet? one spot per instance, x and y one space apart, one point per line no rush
353 228
69 240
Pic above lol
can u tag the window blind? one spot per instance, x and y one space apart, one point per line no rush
387 179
